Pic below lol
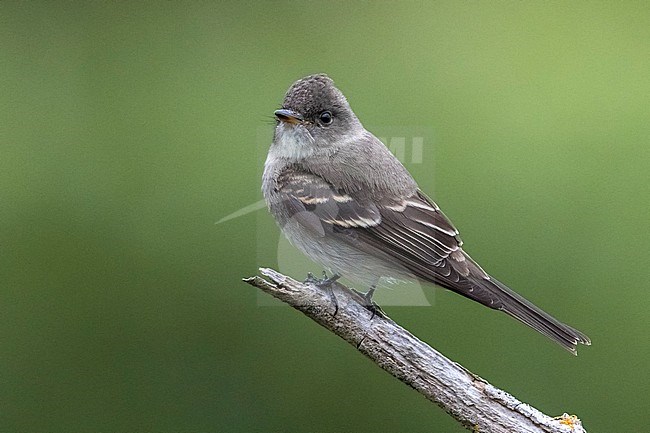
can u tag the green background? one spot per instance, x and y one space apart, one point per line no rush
128 129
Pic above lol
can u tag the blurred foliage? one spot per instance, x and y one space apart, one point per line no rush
129 128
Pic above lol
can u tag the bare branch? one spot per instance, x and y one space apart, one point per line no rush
472 401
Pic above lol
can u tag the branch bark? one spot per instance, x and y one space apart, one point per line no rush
472 401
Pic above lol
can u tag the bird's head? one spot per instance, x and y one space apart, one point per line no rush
315 118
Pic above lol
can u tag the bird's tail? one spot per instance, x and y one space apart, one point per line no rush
524 311
466 278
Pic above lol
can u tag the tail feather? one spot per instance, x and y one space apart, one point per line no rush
526 312
471 281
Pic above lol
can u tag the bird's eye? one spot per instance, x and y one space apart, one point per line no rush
325 117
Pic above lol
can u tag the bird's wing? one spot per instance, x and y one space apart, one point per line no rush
317 205
417 235
410 230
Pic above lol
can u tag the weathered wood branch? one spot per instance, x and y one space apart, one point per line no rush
472 401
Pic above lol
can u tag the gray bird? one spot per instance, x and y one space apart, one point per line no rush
343 199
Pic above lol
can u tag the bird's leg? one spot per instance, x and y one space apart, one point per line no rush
370 305
326 284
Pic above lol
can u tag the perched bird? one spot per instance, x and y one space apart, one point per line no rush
343 199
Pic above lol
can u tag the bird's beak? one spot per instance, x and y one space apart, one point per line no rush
288 116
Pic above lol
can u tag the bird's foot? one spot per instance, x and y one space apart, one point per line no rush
325 283
321 282
370 305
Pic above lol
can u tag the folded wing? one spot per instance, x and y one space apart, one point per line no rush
416 235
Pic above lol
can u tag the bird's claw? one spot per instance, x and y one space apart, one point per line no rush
369 304
321 282
326 284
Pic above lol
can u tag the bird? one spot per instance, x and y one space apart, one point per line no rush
345 201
